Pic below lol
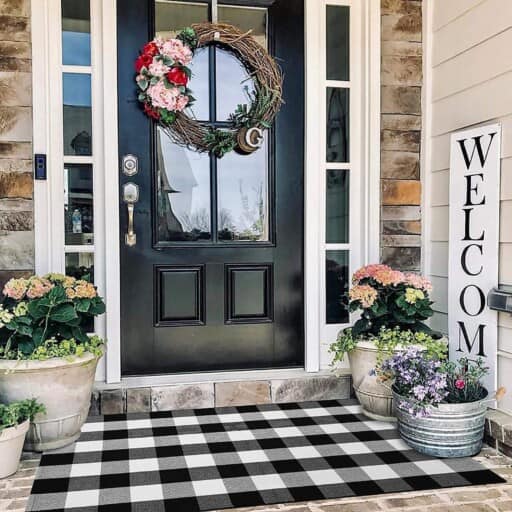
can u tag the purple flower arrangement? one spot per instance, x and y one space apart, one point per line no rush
424 381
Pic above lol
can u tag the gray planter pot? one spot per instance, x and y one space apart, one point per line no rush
450 430
375 398
64 387
11 445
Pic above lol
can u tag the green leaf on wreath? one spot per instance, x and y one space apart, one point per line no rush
143 84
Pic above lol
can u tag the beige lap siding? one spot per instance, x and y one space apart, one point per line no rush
401 77
471 84
16 185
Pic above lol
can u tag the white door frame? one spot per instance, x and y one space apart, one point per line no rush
48 200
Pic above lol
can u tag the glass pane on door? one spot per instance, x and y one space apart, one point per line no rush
243 197
183 192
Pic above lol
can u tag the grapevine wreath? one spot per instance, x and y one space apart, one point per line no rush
162 79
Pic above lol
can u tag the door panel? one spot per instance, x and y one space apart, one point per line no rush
215 279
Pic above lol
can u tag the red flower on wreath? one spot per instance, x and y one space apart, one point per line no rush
142 61
177 76
151 49
151 112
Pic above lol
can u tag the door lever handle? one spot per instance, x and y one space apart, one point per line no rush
130 197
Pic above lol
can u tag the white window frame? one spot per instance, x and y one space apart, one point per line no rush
364 167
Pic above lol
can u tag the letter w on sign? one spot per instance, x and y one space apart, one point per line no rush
473 244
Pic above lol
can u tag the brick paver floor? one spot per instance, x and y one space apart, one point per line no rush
14 492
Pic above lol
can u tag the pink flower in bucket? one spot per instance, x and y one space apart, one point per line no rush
460 384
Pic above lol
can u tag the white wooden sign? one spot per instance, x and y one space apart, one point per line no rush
474 244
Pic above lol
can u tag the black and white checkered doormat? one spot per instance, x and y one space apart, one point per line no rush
208 459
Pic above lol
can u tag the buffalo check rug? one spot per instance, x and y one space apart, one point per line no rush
208 459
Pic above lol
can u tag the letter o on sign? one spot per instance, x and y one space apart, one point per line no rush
480 299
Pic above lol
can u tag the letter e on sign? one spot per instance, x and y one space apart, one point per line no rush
474 244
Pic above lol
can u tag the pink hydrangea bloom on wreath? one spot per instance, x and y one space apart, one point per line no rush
163 74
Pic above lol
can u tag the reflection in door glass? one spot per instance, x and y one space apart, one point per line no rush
336 286
171 17
338 125
243 196
77 114
183 192
337 207
76 33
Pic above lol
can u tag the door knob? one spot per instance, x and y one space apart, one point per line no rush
130 197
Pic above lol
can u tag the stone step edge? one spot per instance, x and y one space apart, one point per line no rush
498 431
219 394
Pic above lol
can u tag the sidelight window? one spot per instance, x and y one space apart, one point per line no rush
201 198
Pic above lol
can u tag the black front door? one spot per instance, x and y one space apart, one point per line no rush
215 278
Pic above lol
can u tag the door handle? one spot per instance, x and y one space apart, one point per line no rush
130 197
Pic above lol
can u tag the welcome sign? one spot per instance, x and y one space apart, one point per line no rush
474 244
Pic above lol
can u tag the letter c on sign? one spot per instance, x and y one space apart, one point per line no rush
464 262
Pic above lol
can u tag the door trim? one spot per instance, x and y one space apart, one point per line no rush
49 248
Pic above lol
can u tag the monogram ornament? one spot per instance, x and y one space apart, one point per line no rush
163 76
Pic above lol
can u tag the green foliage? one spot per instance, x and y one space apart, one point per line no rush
188 37
220 142
261 100
53 307
386 342
463 380
17 412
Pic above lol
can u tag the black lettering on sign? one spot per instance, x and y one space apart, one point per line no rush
462 299
473 187
470 344
478 146
467 226
464 259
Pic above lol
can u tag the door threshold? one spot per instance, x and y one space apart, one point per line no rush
225 376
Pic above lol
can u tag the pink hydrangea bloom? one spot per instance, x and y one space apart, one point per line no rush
15 288
417 281
381 273
38 287
368 271
158 68
365 294
176 50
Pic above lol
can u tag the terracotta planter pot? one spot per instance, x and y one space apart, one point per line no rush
63 387
375 398
11 445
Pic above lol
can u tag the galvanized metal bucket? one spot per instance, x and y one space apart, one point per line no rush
450 430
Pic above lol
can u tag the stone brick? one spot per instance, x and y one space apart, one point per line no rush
308 388
401 213
400 140
16 124
466 507
14 28
356 506
479 495
402 122
401 70
138 400
18 505
242 393
401 192
16 184
15 165
185 396
401 165
503 506
21 150
401 241
13 64
411 501
401 27
497 421
15 221
15 89
15 7
113 401
16 250
400 6
402 227
396 99
504 448
405 258
401 48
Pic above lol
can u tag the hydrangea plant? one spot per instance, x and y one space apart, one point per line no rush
389 298
42 312
17 412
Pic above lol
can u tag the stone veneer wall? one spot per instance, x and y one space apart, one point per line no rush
401 80
16 222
